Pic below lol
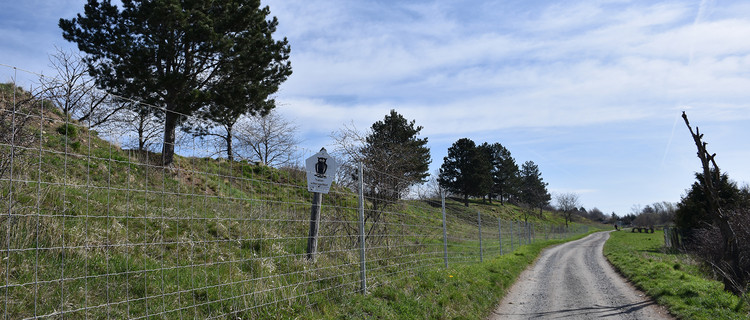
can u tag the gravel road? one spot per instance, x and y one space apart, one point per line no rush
575 281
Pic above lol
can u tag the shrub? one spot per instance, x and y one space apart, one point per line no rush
69 130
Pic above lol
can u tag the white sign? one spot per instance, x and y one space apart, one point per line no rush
321 168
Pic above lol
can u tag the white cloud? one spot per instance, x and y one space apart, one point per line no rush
581 87
588 90
630 66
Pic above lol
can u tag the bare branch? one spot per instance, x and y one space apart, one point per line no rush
269 139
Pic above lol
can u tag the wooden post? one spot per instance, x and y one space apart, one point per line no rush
312 240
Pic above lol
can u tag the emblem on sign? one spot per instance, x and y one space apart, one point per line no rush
321 168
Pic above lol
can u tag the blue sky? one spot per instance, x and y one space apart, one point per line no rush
591 91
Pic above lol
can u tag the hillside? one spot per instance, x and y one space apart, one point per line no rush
93 230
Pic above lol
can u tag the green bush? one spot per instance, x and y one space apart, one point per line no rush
68 130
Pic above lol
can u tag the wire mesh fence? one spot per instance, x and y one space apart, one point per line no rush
92 229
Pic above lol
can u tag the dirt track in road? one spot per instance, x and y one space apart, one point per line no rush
575 281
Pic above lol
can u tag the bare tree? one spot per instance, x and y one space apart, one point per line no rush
527 211
270 140
636 209
729 263
146 127
568 203
349 143
75 93
431 189
645 219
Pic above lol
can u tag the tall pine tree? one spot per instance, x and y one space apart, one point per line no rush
397 156
504 172
533 188
466 170
182 56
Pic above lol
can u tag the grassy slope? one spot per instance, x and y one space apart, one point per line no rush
673 280
153 240
506 212
467 291
120 230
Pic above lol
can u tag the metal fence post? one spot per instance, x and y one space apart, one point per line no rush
511 235
445 232
532 232
525 232
479 222
528 233
362 256
500 233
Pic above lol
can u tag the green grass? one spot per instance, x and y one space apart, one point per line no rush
673 280
95 231
463 291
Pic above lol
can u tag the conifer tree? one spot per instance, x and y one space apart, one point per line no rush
533 188
182 56
504 171
466 170
399 158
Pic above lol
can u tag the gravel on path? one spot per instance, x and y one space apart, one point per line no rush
575 281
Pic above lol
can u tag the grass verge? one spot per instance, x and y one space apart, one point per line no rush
673 280
468 291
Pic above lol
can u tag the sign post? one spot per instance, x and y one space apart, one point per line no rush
321 169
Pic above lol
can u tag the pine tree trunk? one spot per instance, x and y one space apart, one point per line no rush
170 125
230 154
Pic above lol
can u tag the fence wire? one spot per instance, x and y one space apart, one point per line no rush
92 228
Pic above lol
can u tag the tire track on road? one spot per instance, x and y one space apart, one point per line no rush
574 281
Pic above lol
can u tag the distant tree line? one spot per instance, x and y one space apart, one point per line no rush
655 214
396 159
210 69
488 171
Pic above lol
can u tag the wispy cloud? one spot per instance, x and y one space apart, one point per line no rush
587 89
590 90
584 59
29 32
